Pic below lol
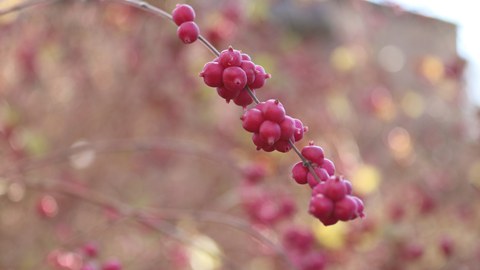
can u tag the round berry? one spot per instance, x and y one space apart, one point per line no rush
270 132
298 240
327 221
245 57
230 57
360 207
299 173
249 68
335 189
183 13
260 77
227 94
319 189
234 78
348 186
299 130
345 209
313 153
328 165
287 126
212 74
243 99
273 110
252 119
282 146
188 32
322 175
320 206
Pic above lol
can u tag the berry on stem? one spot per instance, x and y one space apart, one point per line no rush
212 74
230 57
270 132
188 32
183 13
234 78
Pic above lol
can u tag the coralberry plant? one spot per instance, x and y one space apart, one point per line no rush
236 77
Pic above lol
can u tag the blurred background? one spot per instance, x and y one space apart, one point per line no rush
113 149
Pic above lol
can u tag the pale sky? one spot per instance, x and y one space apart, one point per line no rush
465 14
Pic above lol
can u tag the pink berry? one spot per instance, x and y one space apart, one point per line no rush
345 209
270 132
287 126
273 110
249 68
230 57
348 186
188 32
313 153
327 221
299 130
246 57
299 173
212 74
234 78
319 189
328 165
287 207
322 175
183 13
260 77
298 240
243 99
360 208
227 94
252 119
112 265
335 189
282 146
321 206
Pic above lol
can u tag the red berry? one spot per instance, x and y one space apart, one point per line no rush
188 32
348 186
227 94
327 221
328 165
183 13
273 110
282 146
335 189
322 175
298 240
299 173
212 74
299 130
230 58
246 57
260 77
287 126
270 132
345 209
321 206
249 68
252 119
360 208
243 99
234 78
112 265
319 189
313 153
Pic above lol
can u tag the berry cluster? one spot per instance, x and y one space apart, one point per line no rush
184 16
231 72
332 198
236 78
272 129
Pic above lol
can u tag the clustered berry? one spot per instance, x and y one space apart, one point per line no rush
236 78
231 72
272 129
332 198
184 16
